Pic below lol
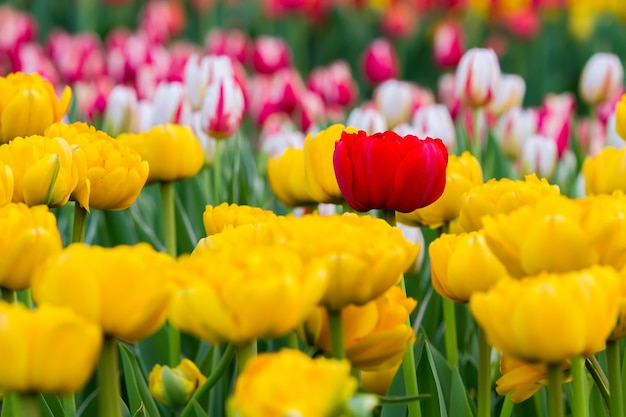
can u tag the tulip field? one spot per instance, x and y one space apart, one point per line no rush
312 208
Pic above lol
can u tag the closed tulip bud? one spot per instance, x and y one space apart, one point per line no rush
286 176
29 236
477 77
270 54
49 350
605 172
462 173
602 78
222 108
216 219
379 62
501 197
462 265
510 94
126 289
29 105
571 314
379 382
6 184
175 386
318 164
394 101
202 72
369 167
434 120
375 334
120 115
513 128
269 292
173 153
448 45
368 119
334 84
290 382
44 170
170 104
539 156
523 379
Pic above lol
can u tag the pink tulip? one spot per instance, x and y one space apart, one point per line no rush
448 44
18 28
161 20
379 62
269 54
232 43
77 57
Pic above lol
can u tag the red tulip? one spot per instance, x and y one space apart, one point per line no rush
388 171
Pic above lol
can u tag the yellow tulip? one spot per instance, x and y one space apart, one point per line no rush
363 255
548 237
286 176
605 172
375 334
28 105
463 264
501 196
619 331
620 117
29 236
463 172
290 383
550 317
266 293
43 170
244 235
48 350
113 175
6 184
319 171
379 382
172 151
522 379
224 216
127 289
175 386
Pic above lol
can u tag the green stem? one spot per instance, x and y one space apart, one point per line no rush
335 325
292 341
556 407
580 407
26 405
389 216
236 168
8 295
69 406
449 320
409 370
507 407
173 336
217 173
615 378
594 368
476 145
80 223
244 354
215 376
484 375
108 380
169 217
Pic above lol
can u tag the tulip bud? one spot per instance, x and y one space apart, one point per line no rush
200 73
367 118
120 115
539 156
435 121
175 386
232 43
222 108
448 44
379 62
170 104
602 78
477 77
394 100
270 54
512 129
509 94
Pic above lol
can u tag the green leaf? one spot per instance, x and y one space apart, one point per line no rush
402 400
136 384
53 403
45 408
198 409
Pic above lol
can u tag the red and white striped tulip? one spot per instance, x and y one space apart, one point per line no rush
120 115
269 54
435 121
222 108
367 118
477 77
170 104
448 45
200 72
510 94
602 78
539 156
